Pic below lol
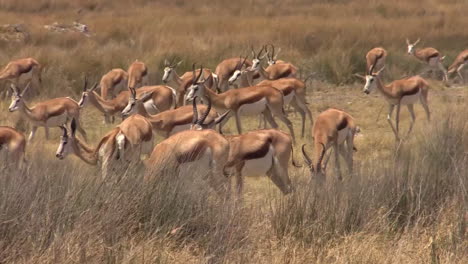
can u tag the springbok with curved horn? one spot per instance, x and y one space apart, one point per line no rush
273 58
332 129
137 75
172 121
261 152
16 68
182 83
252 100
112 82
12 146
460 61
400 92
228 67
429 56
126 142
50 113
376 54
163 98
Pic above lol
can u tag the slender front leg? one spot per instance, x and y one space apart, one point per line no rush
444 71
398 118
337 161
33 132
46 129
389 119
413 118
238 123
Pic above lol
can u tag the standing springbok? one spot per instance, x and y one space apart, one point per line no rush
192 150
429 56
294 91
162 99
125 142
376 54
16 68
332 129
458 64
50 113
252 100
137 74
113 82
261 152
401 92
170 122
12 146
182 83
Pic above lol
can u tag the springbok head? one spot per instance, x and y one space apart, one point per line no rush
371 77
133 103
320 167
411 46
238 72
17 97
86 92
66 141
197 89
257 57
199 124
273 57
169 69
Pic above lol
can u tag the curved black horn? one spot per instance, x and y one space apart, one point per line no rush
195 110
306 157
205 115
199 74
260 52
85 83
193 73
319 162
64 130
133 93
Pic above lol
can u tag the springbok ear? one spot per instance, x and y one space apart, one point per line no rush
220 118
64 130
377 73
360 76
95 86
407 42
180 62
166 62
133 93
417 41
73 127
13 89
25 89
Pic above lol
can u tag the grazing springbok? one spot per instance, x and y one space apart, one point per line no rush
16 68
332 128
254 100
162 99
376 54
112 83
125 142
12 146
294 91
182 83
429 56
189 151
400 92
458 64
172 121
258 153
137 74
50 113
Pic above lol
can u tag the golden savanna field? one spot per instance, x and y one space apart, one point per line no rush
404 203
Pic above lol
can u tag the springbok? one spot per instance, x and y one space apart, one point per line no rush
170 122
273 58
12 146
294 91
261 152
182 83
458 64
252 100
430 56
332 128
376 54
50 113
137 74
125 142
16 68
400 92
113 82
189 151
163 98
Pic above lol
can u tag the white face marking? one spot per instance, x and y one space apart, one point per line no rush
64 148
83 99
234 76
410 49
130 106
193 91
370 84
258 167
167 73
255 64
15 102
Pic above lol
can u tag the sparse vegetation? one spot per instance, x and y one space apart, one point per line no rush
408 205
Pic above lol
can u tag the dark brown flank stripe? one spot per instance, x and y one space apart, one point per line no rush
260 152
192 155
343 124
415 90
432 56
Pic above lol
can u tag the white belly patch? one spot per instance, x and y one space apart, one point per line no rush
197 167
260 166
151 107
253 108
287 98
57 120
410 99
343 134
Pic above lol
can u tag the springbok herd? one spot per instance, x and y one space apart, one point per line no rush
238 87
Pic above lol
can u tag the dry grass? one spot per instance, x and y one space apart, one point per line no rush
406 206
